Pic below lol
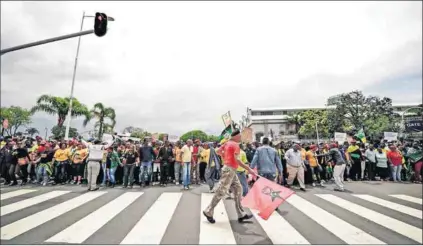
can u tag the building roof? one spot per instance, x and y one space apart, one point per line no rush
322 107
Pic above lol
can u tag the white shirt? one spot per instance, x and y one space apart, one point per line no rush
371 155
293 158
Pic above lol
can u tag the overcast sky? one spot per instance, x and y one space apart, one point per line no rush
177 66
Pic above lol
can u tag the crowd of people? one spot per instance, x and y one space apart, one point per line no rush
129 163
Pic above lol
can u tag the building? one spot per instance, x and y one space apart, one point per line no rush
275 123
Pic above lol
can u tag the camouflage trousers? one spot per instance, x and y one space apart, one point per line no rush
228 181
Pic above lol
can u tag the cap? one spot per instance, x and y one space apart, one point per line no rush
235 132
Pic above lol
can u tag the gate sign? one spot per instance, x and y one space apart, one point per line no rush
414 124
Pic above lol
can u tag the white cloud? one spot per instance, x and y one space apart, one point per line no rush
175 66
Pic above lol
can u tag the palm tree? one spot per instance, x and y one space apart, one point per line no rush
59 106
101 113
32 131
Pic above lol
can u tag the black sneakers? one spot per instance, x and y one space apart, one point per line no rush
245 217
209 219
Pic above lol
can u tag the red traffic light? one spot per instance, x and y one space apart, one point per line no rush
100 24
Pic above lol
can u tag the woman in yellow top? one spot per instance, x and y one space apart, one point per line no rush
204 153
60 162
178 162
315 168
241 172
77 159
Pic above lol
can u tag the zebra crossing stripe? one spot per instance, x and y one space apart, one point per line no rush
277 224
15 193
343 230
400 227
408 198
391 205
19 227
30 202
152 226
84 228
221 231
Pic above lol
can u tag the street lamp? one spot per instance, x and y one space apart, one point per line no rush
74 72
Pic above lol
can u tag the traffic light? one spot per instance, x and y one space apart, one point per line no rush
100 24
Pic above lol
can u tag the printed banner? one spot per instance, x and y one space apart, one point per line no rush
227 120
247 135
340 137
173 138
414 124
390 136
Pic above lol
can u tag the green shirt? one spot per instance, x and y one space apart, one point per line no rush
114 160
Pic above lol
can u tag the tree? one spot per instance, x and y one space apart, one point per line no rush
357 110
309 120
136 132
101 113
295 119
32 131
59 132
212 138
59 107
16 117
195 134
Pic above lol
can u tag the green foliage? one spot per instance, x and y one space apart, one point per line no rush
354 109
136 132
32 131
59 132
103 115
59 106
212 138
309 119
195 134
16 116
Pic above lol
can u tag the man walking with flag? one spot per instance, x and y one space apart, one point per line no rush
229 180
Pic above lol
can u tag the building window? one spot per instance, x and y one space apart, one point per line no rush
259 135
267 113
284 112
277 112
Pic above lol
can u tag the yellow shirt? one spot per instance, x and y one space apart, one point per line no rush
303 154
243 159
205 156
178 154
186 153
61 155
311 159
79 155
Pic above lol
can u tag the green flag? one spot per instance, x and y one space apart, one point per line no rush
226 133
360 135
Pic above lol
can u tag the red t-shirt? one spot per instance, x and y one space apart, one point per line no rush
230 149
395 158
194 153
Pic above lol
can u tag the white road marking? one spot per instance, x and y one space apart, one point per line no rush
409 198
30 202
4 196
151 228
84 228
343 230
375 217
276 225
19 227
391 205
221 231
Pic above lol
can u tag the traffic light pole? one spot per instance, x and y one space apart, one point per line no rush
46 41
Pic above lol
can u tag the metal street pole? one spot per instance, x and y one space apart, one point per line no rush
69 117
46 41
317 133
73 81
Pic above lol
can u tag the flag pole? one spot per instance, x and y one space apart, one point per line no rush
232 125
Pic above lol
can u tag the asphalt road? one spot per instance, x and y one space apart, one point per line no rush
369 213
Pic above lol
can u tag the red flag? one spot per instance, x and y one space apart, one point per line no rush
265 196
